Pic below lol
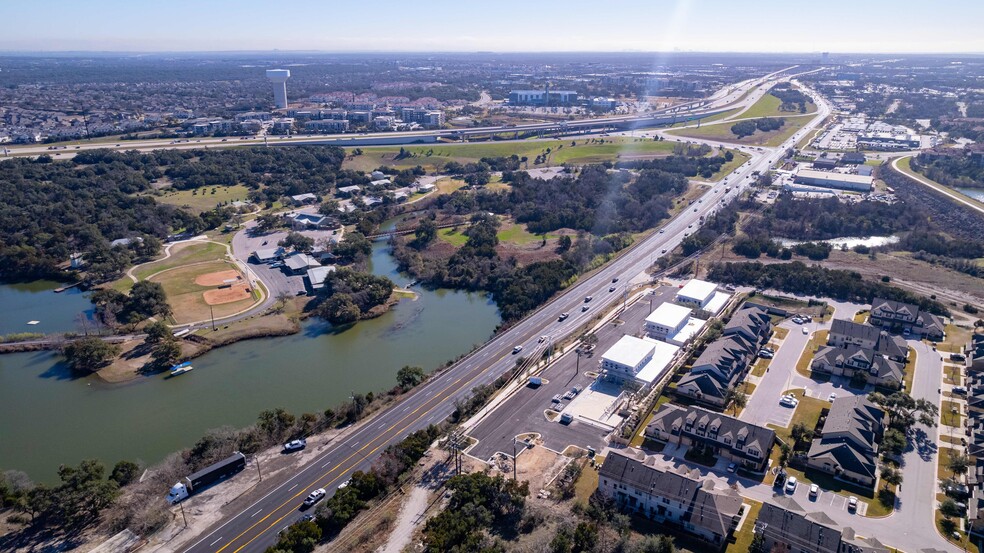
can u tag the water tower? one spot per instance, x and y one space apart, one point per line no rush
279 79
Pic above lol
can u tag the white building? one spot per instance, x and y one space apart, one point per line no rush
672 323
703 295
317 276
638 360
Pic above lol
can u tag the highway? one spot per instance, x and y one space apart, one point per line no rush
725 99
255 528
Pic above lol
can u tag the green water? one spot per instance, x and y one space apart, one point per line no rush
48 418
37 301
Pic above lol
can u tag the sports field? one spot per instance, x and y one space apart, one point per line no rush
199 290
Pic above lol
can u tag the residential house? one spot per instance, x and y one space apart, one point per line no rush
677 498
844 333
347 191
907 318
743 443
848 444
317 276
851 361
304 199
751 323
786 527
975 353
721 366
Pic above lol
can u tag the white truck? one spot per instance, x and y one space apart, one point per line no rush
206 477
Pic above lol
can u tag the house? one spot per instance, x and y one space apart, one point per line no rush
721 366
638 361
745 444
785 526
304 199
750 322
905 317
975 353
672 323
849 333
268 255
852 360
677 498
347 191
311 221
427 187
848 444
316 276
299 263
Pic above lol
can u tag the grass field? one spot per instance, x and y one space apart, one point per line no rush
181 254
818 339
514 233
950 414
743 538
722 132
727 168
186 296
453 236
432 156
203 199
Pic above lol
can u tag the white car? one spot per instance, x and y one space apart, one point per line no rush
791 484
806 330
832 397
852 504
295 445
788 400
315 496
814 491
517 349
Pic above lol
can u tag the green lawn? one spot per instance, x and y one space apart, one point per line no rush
807 412
768 106
722 132
743 538
181 255
203 199
729 167
432 156
453 236
515 233
818 339
587 483
947 415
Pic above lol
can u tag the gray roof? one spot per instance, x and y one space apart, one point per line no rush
892 346
783 521
894 308
300 261
854 330
860 418
751 322
884 368
669 417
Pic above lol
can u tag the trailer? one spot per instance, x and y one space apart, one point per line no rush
206 477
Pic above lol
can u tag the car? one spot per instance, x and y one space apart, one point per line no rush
765 355
517 349
791 484
295 445
563 316
852 504
556 399
906 331
797 319
614 280
306 518
691 225
344 484
788 400
587 299
767 349
568 396
663 250
662 230
695 210
732 467
541 339
832 397
729 288
814 491
566 418
584 308
611 288
806 330
576 390
314 497
960 390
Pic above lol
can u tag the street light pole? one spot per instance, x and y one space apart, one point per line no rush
212 313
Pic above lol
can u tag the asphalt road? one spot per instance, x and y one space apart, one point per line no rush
523 411
255 528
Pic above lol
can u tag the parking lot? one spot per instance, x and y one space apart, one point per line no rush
524 411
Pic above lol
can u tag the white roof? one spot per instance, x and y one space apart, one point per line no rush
717 303
629 351
317 275
688 331
669 314
268 253
380 182
300 261
699 290
834 177
305 196
662 358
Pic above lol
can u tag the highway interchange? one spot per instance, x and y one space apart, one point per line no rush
255 528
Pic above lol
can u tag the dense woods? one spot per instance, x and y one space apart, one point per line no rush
825 218
953 170
50 210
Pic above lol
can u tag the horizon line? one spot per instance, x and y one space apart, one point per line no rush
671 52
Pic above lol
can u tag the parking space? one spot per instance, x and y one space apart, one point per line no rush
825 500
524 411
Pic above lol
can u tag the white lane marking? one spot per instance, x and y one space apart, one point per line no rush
258 511
215 542
355 444
322 466
290 489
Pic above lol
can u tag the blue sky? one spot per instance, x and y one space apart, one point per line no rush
497 25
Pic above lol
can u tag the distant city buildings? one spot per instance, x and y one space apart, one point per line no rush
545 97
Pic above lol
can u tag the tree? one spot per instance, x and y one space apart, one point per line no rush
800 432
425 233
655 544
275 422
157 332
585 537
893 442
167 352
958 463
353 246
300 537
949 508
784 452
147 299
297 241
904 411
124 472
90 354
891 475
328 208
339 309
268 222
736 398
408 377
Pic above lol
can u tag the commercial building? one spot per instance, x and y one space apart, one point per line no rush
638 361
299 263
544 97
672 323
848 444
703 295
268 255
327 125
678 498
317 276
743 443
785 526
840 181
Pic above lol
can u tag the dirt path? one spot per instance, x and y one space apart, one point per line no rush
407 521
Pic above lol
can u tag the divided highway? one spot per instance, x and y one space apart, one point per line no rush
256 527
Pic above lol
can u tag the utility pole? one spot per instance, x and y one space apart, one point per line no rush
212 313
514 459
257 459
183 517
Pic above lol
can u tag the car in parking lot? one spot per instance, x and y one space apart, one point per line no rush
852 504
314 497
556 399
566 418
806 330
797 320
960 390
832 396
814 491
790 484
788 400
765 354
295 445
517 349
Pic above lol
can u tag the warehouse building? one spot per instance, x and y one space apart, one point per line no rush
840 181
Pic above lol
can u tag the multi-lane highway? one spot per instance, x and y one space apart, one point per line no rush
256 526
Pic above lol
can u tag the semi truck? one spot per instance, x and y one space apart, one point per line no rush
206 477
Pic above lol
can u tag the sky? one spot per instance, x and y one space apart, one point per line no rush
876 26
